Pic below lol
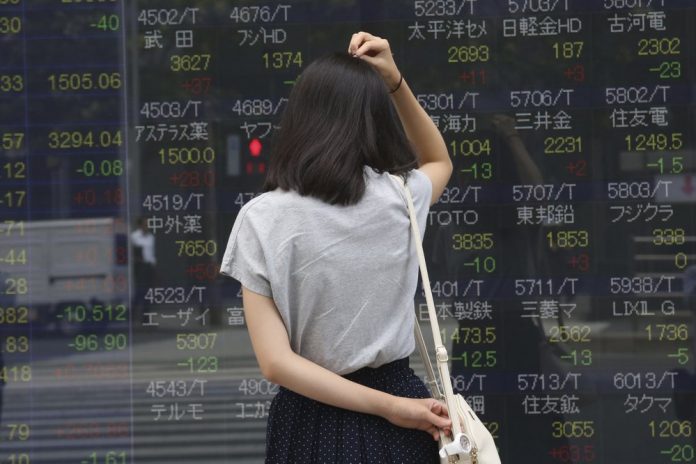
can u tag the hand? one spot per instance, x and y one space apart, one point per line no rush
376 51
426 414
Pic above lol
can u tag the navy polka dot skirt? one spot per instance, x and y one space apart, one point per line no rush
301 430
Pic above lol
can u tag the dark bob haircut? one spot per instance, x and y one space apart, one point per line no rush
338 119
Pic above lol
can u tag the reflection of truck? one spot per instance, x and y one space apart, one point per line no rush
67 263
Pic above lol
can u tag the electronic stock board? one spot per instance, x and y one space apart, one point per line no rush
562 253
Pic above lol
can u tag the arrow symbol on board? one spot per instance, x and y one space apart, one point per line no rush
688 185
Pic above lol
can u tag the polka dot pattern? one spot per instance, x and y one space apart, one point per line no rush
304 431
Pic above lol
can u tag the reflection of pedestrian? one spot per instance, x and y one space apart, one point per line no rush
689 286
144 262
525 349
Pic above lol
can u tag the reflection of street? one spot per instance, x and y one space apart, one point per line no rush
80 404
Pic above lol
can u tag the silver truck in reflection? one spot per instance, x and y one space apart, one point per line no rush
66 275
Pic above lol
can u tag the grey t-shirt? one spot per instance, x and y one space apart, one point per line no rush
343 277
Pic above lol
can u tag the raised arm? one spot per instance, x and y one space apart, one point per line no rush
279 364
433 157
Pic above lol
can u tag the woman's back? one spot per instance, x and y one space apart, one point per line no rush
327 267
342 277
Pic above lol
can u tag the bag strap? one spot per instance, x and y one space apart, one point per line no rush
430 374
440 350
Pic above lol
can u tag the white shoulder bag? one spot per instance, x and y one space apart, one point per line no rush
472 443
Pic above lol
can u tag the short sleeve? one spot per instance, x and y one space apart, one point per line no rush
244 258
421 190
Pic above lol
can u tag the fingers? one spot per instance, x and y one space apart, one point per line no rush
436 419
434 432
358 39
364 42
427 414
439 421
375 46
444 422
439 408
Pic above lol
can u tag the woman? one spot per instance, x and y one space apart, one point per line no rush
327 267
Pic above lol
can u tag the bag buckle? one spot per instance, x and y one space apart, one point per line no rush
441 354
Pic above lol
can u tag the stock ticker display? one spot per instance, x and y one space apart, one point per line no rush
562 254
